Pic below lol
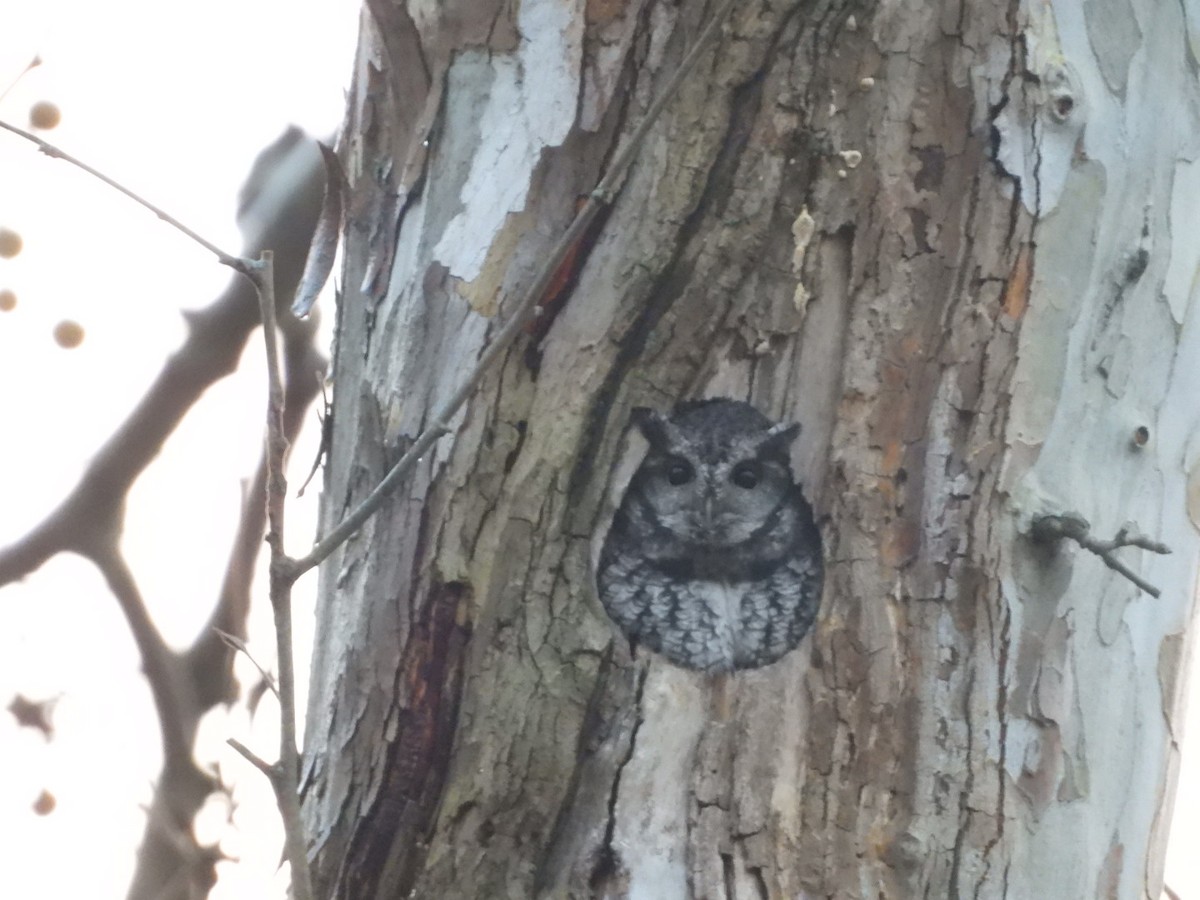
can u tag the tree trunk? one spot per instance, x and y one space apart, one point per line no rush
950 240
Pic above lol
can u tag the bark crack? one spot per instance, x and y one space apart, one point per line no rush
964 795
760 882
1015 64
608 862
1002 717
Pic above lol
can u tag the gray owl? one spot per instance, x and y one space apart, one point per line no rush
713 559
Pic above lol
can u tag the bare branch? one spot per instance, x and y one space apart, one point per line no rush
208 658
236 643
326 419
263 275
160 664
33 64
253 758
234 262
286 775
1075 527
526 310
197 872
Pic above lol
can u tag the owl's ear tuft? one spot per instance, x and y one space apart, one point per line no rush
776 439
652 424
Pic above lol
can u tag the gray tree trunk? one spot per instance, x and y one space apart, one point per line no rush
950 239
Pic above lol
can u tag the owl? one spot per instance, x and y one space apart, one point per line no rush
713 559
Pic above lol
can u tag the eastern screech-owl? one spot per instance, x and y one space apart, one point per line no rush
713 559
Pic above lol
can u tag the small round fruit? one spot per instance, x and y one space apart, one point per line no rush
44 115
45 803
10 243
8 300
68 334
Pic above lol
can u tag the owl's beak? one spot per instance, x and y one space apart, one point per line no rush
707 513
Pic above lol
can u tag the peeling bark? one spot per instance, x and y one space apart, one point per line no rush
994 299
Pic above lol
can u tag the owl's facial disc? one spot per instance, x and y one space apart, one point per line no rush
729 501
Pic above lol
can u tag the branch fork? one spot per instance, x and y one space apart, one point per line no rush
1051 529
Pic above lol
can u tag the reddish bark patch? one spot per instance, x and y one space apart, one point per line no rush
392 836
601 12
1016 292
1108 886
562 282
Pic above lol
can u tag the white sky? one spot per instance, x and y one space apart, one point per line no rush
174 101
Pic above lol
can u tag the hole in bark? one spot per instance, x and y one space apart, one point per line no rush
1064 104
511 459
486 832
1136 264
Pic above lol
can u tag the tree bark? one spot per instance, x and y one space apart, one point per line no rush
949 239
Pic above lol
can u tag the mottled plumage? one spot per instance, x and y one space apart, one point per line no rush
713 559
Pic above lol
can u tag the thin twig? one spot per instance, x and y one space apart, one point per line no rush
526 310
325 417
286 774
234 262
236 643
253 758
1076 528
33 64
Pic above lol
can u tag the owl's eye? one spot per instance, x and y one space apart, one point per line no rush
746 475
680 472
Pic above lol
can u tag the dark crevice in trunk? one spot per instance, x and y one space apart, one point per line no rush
608 865
675 277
